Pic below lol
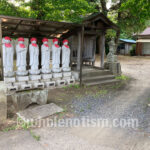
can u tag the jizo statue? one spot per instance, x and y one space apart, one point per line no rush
34 57
45 57
65 56
21 52
8 54
56 49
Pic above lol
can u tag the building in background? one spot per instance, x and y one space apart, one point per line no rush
125 45
143 43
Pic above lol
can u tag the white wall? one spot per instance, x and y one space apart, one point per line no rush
146 49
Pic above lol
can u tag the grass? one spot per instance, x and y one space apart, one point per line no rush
100 93
10 128
122 78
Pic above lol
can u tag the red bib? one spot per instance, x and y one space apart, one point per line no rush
66 46
34 44
8 45
56 45
46 45
22 45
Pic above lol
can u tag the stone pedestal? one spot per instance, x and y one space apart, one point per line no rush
50 84
3 102
115 67
9 79
11 88
46 76
57 75
21 100
35 77
67 75
22 78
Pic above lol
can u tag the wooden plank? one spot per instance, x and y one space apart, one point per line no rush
1 48
81 51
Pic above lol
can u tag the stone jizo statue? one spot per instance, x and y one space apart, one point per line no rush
8 54
34 57
56 49
111 57
45 57
65 56
21 52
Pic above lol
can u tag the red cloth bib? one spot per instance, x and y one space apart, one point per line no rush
56 45
46 45
22 45
8 45
66 46
34 44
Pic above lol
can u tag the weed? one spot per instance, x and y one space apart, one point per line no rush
10 128
122 77
36 137
24 125
81 110
89 106
77 86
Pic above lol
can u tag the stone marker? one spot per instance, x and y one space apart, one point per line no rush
3 102
39 112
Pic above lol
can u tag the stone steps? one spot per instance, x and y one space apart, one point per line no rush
105 82
96 73
98 78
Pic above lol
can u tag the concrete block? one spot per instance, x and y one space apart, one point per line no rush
46 76
38 85
26 86
60 83
22 78
9 79
3 102
12 88
50 84
34 77
70 81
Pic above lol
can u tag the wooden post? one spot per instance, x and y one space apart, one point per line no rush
78 51
81 51
102 48
1 50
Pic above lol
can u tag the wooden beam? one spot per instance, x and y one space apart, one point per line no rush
102 49
81 51
1 48
16 27
78 51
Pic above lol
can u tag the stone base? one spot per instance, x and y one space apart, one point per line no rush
66 69
22 100
3 102
46 76
34 72
21 73
22 78
56 70
9 74
11 89
67 74
57 75
9 79
34 77
46 71
70 81
115 67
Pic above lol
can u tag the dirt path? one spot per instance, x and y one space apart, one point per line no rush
131 102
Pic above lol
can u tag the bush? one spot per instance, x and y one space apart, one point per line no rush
133 50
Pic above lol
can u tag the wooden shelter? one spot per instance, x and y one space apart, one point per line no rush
93 26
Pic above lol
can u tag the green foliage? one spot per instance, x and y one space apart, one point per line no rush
36 137
133 50
10 128
122 77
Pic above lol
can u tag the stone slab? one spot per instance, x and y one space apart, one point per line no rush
22 78
46 76
34 77
57 75
22 100
9 79
3 102
39 112
50 84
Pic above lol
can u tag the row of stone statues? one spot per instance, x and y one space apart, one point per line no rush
21 52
